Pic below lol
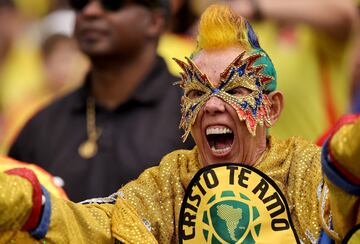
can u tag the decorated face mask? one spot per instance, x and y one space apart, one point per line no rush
253 108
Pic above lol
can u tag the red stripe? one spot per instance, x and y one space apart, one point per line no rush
347 119
353 179
15 163
34 217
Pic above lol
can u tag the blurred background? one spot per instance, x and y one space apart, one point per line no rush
39 61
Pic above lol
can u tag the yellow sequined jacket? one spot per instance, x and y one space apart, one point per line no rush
147 209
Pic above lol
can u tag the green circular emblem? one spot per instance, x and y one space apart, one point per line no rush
226 219
232 203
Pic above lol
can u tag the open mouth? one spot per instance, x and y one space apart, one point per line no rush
220 139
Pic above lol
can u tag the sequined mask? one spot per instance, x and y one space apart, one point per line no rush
253 108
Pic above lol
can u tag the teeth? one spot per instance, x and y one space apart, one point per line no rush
223 150
218 130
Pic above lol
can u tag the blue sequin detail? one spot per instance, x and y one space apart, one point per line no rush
257 101
232 72
222 84
216 91
254 111
241 70
244 105
257 83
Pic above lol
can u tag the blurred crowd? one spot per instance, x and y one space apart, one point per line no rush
39 60
314 45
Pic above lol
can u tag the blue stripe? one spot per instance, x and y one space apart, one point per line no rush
334 176
42 229
324 238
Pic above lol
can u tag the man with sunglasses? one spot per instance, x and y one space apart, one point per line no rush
100 136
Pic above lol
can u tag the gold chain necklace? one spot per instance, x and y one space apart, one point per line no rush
89 148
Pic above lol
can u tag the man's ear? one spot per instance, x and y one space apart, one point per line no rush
277 104
157 23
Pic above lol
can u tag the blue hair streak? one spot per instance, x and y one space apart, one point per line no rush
253 39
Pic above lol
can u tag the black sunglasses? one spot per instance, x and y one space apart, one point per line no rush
111 5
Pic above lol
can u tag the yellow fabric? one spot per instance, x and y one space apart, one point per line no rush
344 208
74 223
293 165
172 45
15 206
355 238
156 197
17 237
70 222
18 186
296 57
44 177
127 226
345 146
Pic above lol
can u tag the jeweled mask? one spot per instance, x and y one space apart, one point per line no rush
253 108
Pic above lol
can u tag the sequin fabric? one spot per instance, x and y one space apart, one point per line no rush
346 147
70 222
147 209
11 197
345 208
76 223
253 108
293 164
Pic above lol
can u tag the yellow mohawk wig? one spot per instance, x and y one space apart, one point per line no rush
219 27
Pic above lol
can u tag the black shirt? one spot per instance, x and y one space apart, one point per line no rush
134 136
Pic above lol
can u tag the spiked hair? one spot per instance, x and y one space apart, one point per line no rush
220 27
